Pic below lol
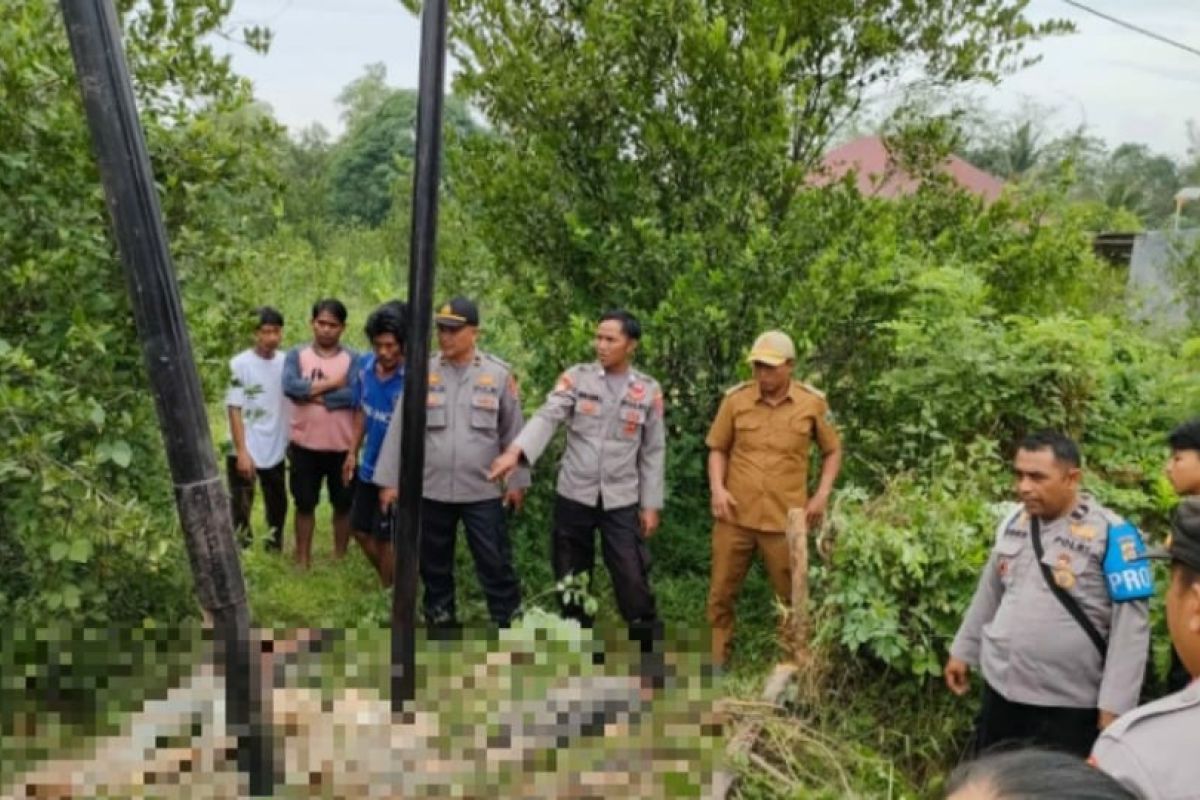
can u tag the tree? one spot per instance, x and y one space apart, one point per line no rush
656 157
1143 182
366 161
364 95
1013 151
79 441
305 165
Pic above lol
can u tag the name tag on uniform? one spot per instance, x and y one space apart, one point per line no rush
1125 566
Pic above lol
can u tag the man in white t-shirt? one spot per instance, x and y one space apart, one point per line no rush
258 426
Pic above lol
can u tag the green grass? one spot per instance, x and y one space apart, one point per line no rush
865 734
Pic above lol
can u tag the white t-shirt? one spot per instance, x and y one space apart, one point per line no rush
256 387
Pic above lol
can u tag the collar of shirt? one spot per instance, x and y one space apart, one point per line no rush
475 361
792 396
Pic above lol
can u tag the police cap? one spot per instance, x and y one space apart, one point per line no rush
458 312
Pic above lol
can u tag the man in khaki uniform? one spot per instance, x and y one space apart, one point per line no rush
1151 750
611 475
758 469
472 413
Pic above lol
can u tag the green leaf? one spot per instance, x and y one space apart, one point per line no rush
80 551
120 453
58 551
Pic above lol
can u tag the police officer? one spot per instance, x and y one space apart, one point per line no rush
472 413
611 475
1058 624
1151 750
758 469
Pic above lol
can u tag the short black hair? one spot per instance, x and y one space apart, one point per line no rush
331 305
1064 448
1186 436
1186 573
268 316
629 323
388 318
1031 774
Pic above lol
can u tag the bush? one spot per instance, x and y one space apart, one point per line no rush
906 564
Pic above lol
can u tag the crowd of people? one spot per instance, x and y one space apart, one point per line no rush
1058 626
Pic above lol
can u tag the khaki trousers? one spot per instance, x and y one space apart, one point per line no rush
733 549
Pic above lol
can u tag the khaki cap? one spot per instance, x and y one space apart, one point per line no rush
772 348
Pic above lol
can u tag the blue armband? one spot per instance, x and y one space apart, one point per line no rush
1125 566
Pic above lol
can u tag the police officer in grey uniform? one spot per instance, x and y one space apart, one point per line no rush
1152 749
472 414
611 475
1058 624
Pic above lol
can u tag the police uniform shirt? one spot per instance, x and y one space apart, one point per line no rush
1151 750
472 414
768 449
1028 646
616 439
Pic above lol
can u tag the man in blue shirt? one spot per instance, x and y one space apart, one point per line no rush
379 379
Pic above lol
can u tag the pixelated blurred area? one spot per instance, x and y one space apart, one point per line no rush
542 709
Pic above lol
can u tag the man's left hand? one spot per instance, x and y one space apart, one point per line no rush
814 512
1106 718
514 499
649 520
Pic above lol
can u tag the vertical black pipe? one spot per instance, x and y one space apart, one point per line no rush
422 250
120 149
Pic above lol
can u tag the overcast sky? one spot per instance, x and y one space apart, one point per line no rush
1125 86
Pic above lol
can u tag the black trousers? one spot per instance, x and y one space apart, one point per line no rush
573 552
275 501
487 538
1002 723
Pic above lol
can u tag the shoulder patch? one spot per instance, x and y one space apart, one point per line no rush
738 387
498 361
1125 566
811 389
564 383
1188 698
1012 516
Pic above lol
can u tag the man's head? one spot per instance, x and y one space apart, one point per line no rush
773 357
617 337
457 328
1047 469
385 332
328 322
1032 774
1183 592
1183 467
269 331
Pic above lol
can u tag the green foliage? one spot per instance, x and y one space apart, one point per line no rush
376 150
1128 177
655 159
906 564
85 531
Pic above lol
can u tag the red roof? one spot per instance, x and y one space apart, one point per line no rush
879 176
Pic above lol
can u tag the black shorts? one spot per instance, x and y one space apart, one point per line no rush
307 468
365 516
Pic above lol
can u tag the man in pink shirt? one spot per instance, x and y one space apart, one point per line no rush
318 378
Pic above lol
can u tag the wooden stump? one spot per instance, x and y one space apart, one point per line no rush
741 743
797 539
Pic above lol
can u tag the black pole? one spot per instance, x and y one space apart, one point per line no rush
204 513
422 250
